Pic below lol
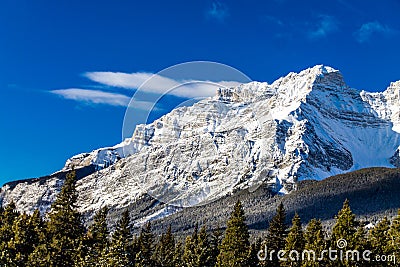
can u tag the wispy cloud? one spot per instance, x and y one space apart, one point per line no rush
367 30
101 97
150 82
119 79
93 96
144 105
199 89
218 11
325 26
153 83
143 81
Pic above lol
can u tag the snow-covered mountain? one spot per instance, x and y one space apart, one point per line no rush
307 125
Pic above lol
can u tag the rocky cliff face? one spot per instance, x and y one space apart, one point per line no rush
307 125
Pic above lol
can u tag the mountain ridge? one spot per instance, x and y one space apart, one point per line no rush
307 125
372 193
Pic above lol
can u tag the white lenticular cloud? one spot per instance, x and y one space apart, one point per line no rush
153 83
93 96
148 82
119 79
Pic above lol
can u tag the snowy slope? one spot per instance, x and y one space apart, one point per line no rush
101 158
307 125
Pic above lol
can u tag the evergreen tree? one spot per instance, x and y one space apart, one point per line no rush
189 257
98 231
65 227
120 248
346 225
253 254
41 255
346 234
276 235
165 250
379 239
8 216
27 231
134 248
294 242
314 238
235 244
203 249
215 242
178 254
92 250
394 234
146 246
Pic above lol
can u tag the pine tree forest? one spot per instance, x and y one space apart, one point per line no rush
59 238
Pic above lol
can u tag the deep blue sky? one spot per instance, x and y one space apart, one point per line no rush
48 45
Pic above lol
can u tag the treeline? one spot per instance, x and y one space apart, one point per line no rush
60 239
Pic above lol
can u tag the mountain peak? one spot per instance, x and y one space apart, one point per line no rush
327 79
322 69
392 96
314 74
394 88
298 84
